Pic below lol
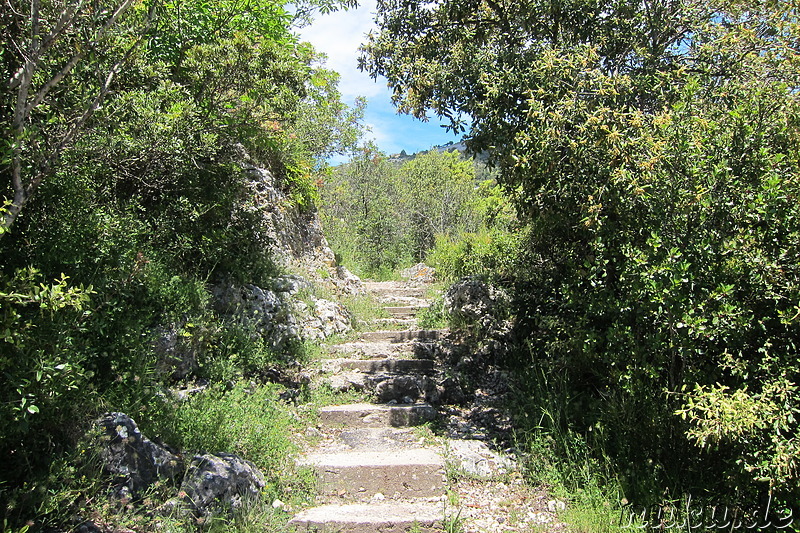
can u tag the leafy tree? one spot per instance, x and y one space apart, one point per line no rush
361 216
436 191
651 147
60 60
63 58
141 201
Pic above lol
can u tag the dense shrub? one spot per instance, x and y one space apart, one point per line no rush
139 205
653 156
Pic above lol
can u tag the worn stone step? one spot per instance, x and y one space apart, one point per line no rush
386 517
403 322
397 366
403 311
403 336
372 415
358 475
382 288
372 439
375 350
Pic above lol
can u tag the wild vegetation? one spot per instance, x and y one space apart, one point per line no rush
640 206
381 215
650 150
127 126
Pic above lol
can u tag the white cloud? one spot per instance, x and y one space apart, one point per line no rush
338 35
380 134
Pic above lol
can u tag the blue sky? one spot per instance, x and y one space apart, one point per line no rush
338 35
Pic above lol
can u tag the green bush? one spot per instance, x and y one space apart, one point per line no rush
657 179
246 420
491 253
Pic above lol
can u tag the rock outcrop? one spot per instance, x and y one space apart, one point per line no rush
419 273
211 484
217 484
131 459
279 315
294 233
475 301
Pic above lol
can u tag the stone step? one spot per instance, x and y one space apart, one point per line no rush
393 290
375 350
397 366
372 415
403 336
409 322
359 475
386 517
371 439
406 310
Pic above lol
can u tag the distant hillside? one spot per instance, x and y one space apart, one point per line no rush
402 157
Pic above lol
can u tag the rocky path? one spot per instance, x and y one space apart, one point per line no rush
378 471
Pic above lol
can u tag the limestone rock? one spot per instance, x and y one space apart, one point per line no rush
476 459
474 301
345 381
451 391
279 316
347 282
176 354
289 285
216 483
327 318
407 389
132 459
420 273
293 233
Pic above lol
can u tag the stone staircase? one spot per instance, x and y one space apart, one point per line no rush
376 472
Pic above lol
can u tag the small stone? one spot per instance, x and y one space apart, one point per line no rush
378 497
556 505
277 504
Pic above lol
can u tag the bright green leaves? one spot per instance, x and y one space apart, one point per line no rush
37 374
380 214
183 24
25 290
653 150
757 424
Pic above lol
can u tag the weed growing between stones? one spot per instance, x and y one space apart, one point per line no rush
435 316
453 523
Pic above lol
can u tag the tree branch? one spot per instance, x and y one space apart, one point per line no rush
23 108
66 20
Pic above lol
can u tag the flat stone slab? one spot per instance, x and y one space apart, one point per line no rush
403 336
408 310
372 440
376 350
476 459
372 415
405 473
407 322
372 366
393 289
389 517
